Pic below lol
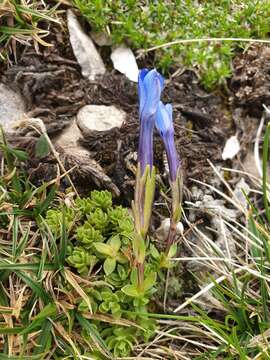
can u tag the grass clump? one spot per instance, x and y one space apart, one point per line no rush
24 21
144 25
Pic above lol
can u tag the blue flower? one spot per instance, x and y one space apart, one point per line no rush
164 124
150 86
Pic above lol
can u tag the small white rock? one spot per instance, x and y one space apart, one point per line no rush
124 61
231 148
84 49
99 118
12 107
163 230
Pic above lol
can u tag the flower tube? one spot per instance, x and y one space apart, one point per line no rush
164 124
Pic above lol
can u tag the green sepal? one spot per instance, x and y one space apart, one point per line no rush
176 190
148 198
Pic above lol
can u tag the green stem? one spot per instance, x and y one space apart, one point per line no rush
171 236
140 268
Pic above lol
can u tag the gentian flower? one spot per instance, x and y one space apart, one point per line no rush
150 86
164 124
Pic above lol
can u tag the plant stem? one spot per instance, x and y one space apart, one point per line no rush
171 235
140 268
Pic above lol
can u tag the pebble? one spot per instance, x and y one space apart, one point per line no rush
99 118
12 107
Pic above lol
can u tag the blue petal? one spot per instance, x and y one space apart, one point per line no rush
141 88
143 73
161 80
153 87
164 122
169 111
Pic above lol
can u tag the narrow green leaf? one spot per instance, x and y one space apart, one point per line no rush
265 166
22 243
34 285
63 240
37 322
45 338
40 208
19 154
15 227
8 330
6 357
27 266
97 339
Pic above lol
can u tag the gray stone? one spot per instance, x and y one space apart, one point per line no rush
69 136
99 118
84 49
12 107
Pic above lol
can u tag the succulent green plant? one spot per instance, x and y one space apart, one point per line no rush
94 297
82 260
54 219
116 214
101 199
111 250
152 24
84 205
99 219
149 327
140 291
119 277
121 341
100 239
86 235
111 302
97 200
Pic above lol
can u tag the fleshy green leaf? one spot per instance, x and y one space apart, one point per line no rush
154 252
134 277
150 281
42 147
109 265
172 251
104 249
115 242
131 290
